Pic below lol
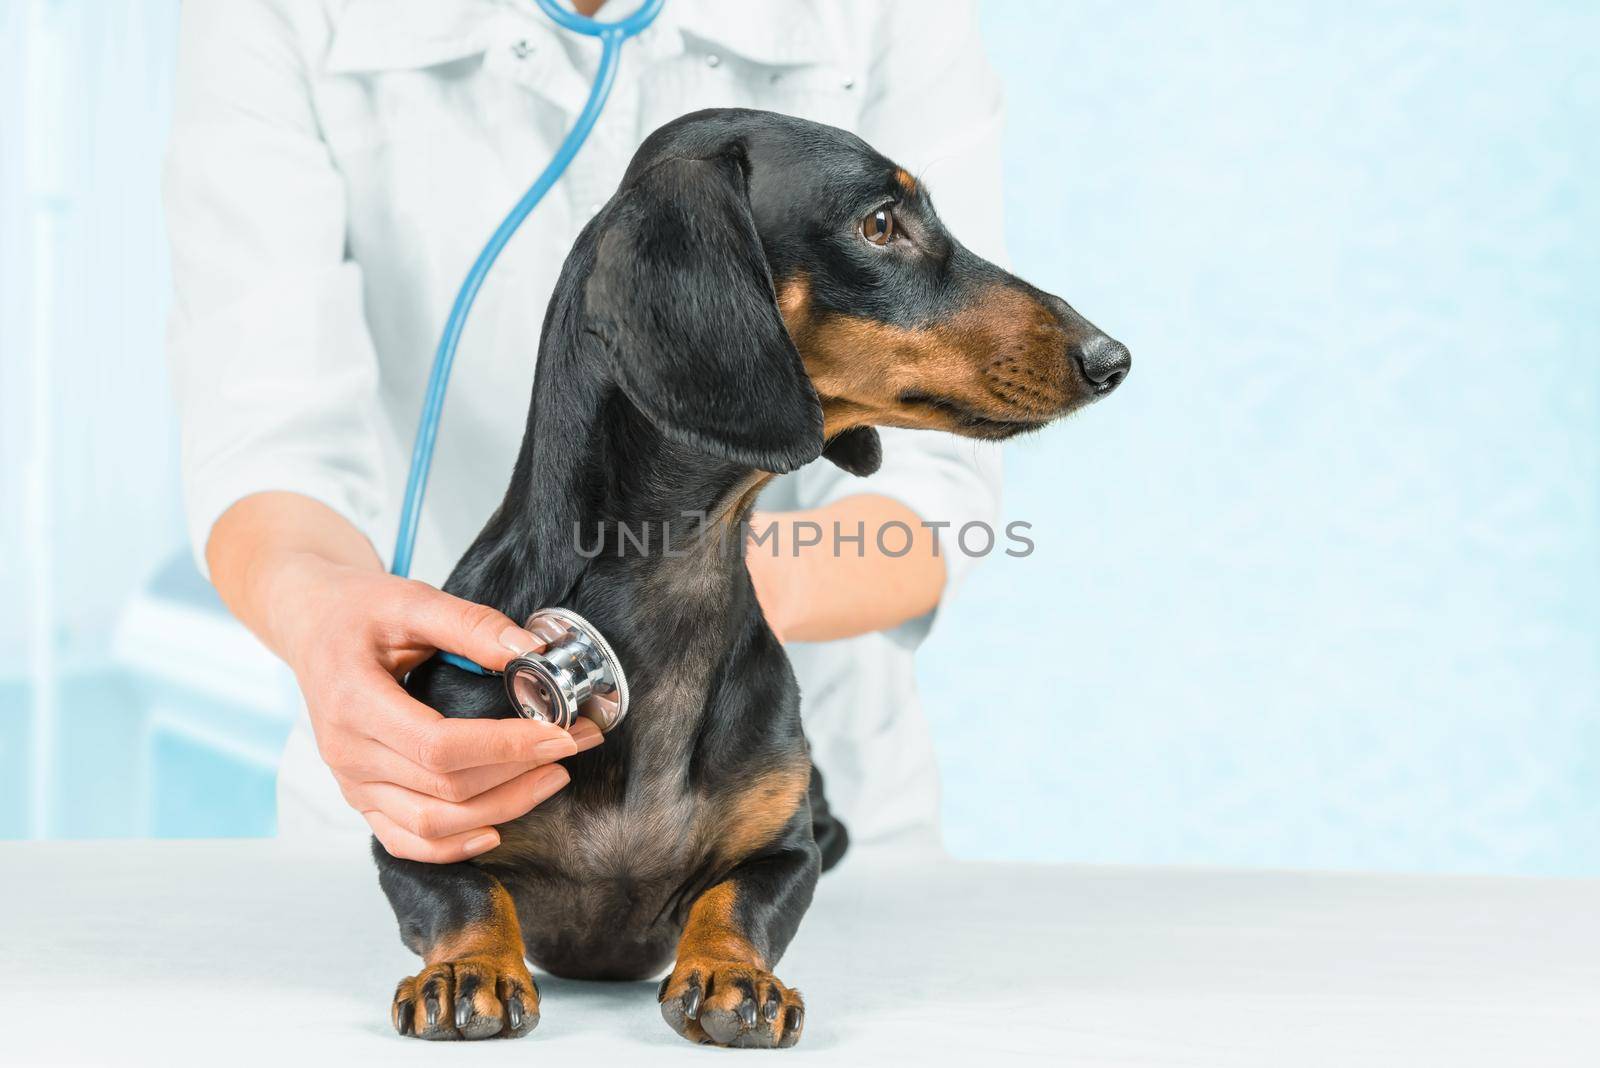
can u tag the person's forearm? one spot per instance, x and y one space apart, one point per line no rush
819 588
260 537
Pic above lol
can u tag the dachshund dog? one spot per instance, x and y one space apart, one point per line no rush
760 291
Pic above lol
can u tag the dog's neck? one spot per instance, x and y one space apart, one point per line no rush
599 493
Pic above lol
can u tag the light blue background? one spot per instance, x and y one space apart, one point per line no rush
1318 586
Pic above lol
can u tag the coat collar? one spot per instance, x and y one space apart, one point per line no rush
378 35
768 32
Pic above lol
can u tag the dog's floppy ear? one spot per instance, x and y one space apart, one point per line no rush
681 295
857 450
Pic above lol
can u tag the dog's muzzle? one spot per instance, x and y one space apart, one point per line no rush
580 664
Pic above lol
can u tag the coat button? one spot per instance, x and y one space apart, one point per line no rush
522 49
713 60
849 83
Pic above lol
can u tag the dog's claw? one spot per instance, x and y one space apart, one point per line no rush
792 1021
691 999
747 1004
463 1012
514 1013
403 1017
769 1007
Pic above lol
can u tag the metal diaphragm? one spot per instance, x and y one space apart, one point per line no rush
575 666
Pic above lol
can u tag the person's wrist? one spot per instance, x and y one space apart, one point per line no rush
290 584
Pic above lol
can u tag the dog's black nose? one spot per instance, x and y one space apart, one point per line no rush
1103 361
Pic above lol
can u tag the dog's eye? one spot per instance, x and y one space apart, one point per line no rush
878 227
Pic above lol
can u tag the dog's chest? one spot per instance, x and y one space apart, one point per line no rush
600 890
657 832
603 872
653 830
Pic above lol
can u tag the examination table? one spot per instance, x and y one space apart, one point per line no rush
262 952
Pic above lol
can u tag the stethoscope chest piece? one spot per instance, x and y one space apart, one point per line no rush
577 664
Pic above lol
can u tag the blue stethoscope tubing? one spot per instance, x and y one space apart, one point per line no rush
611 35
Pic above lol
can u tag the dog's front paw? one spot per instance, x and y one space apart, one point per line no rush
474 997
726 1003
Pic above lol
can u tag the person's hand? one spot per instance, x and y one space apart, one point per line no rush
431 788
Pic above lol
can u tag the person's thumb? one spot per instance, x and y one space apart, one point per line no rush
475 631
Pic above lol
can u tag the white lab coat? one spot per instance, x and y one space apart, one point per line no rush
335 167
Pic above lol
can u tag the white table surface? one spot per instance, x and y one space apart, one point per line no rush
271 953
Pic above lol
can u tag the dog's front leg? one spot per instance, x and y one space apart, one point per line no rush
722 989
461 921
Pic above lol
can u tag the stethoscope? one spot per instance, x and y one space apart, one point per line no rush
578 663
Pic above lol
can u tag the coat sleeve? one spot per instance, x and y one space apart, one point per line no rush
273 368
934 106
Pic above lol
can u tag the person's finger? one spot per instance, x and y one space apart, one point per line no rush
370 760
475 631
439 744
429 817
585 734
455 744
401 843
373 761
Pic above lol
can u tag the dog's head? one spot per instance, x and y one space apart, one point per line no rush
766 286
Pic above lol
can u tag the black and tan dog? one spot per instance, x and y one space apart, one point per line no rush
760 291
